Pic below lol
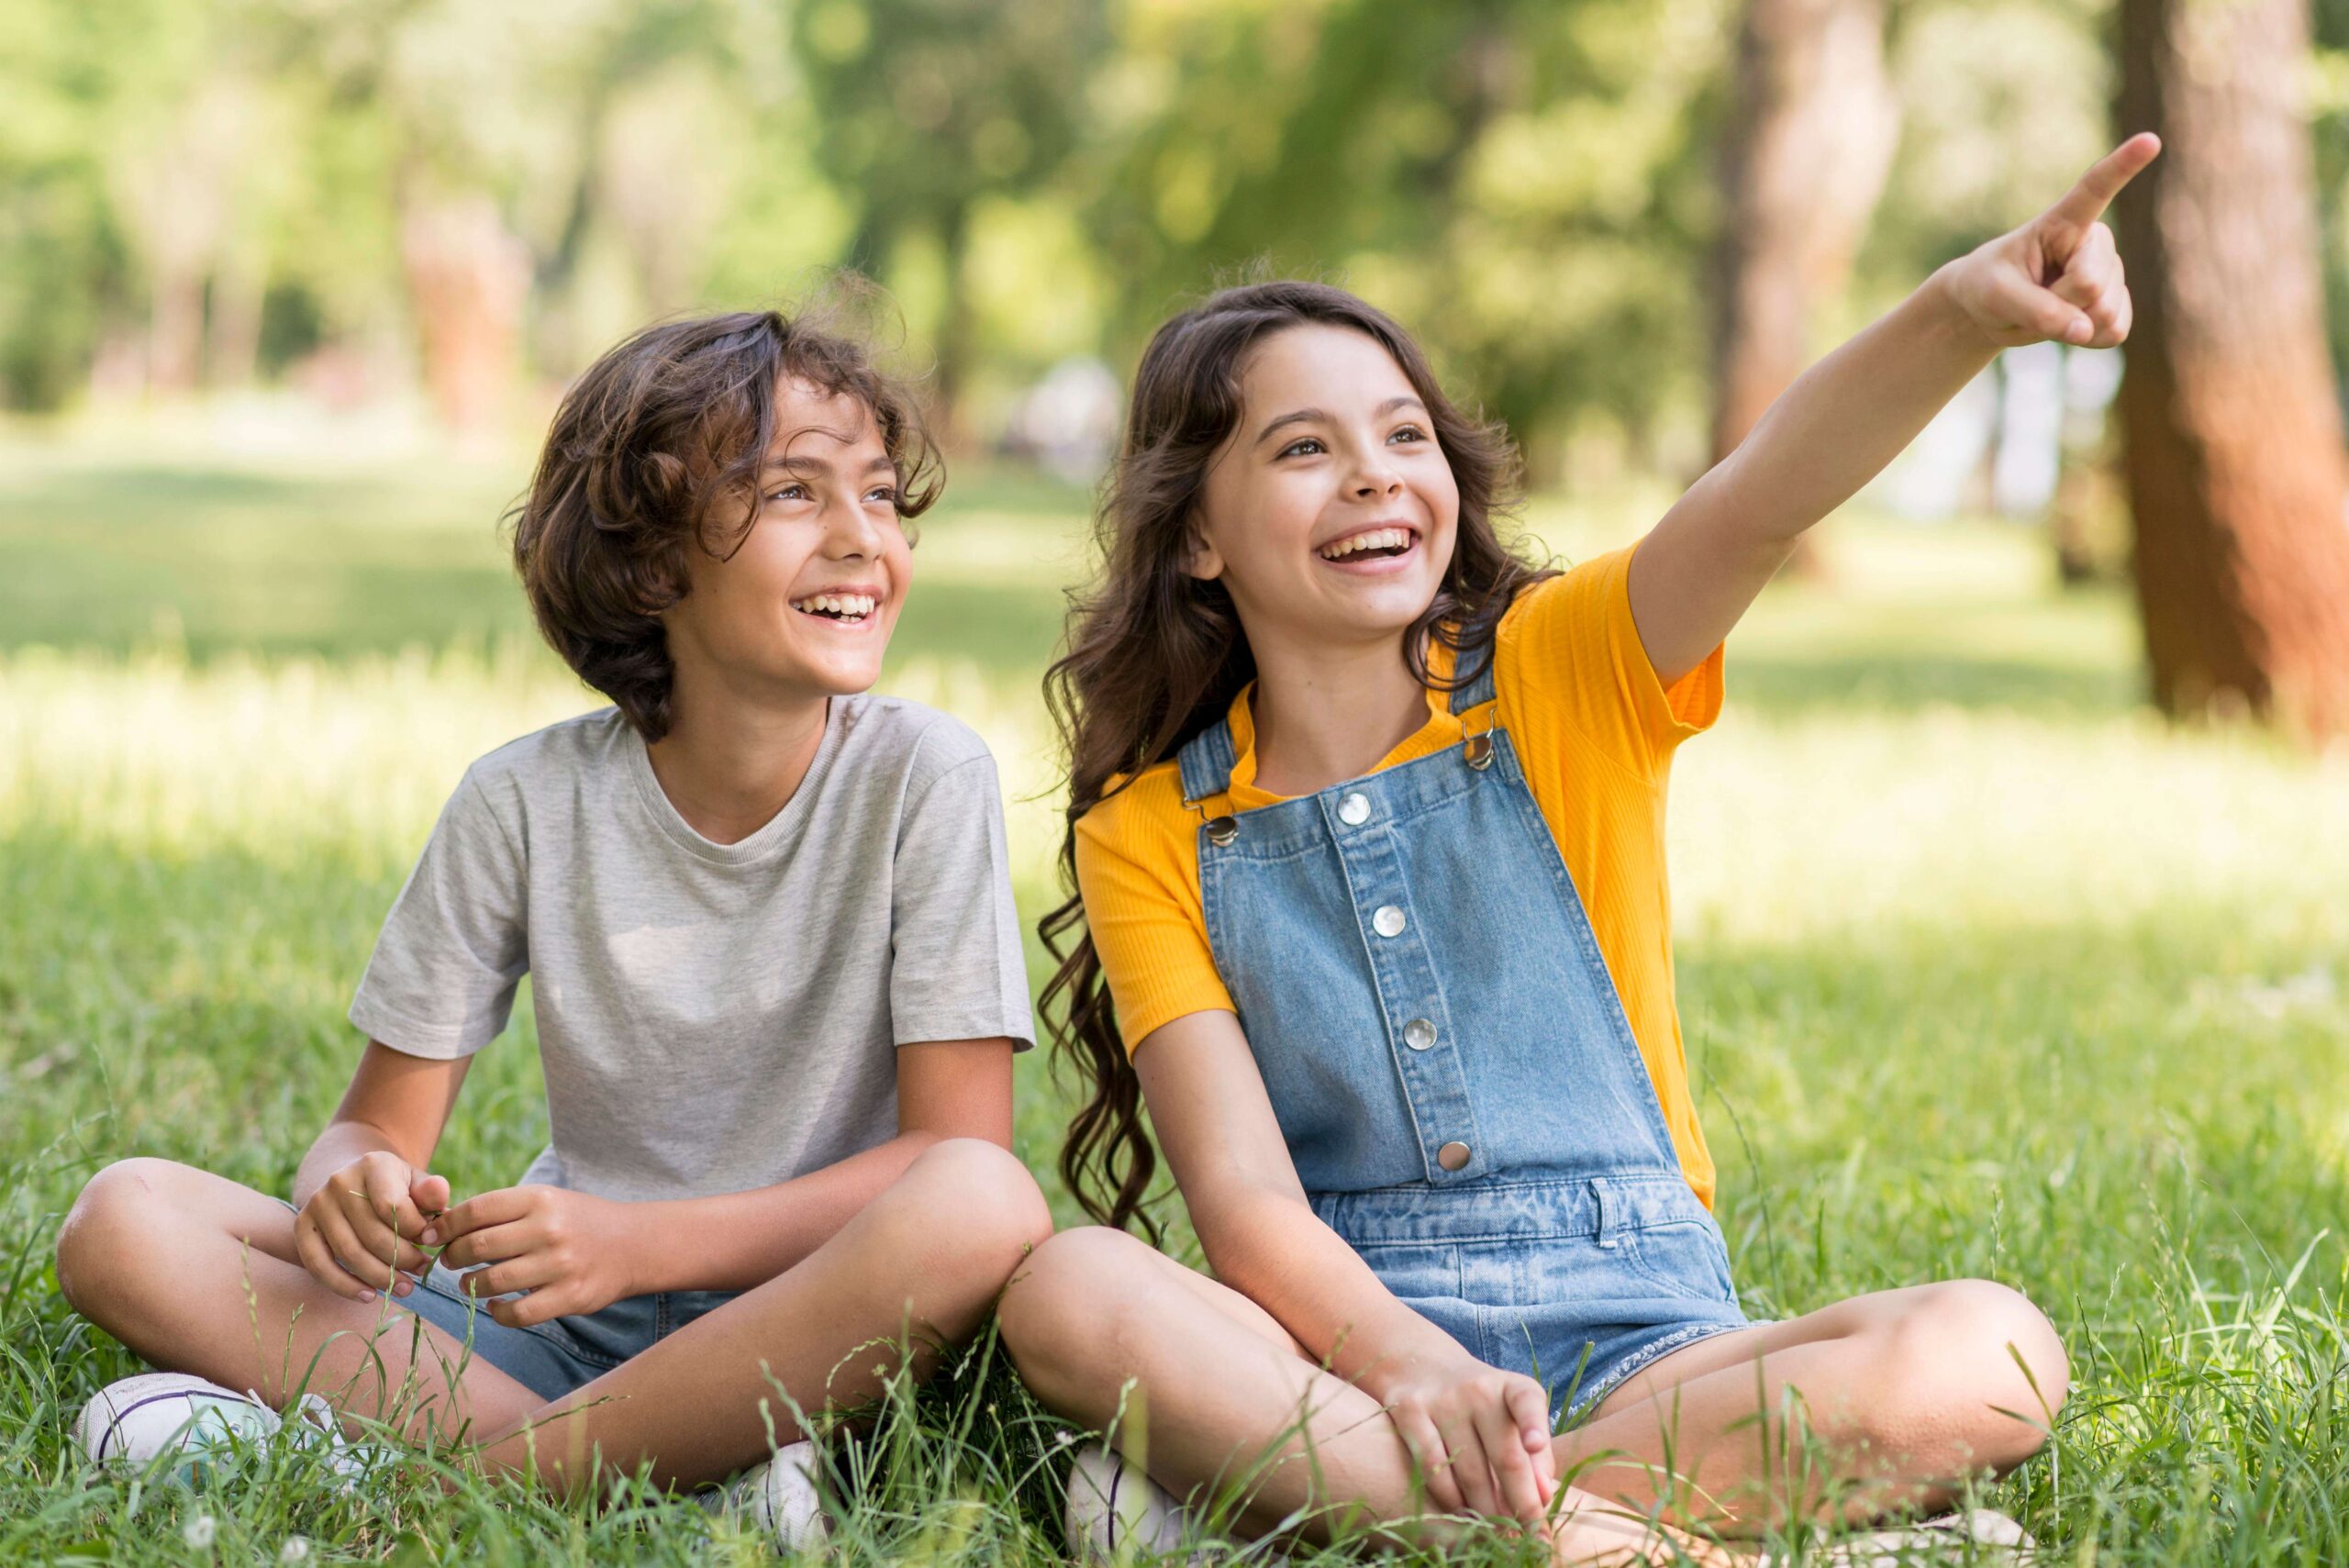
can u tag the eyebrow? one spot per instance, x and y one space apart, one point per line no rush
790 464
1306 416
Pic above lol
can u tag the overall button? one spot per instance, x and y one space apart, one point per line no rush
1388 921
1419 1034
1452 1156
1354 809
1222 830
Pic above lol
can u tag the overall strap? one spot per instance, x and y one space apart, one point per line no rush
1481 690
1206 762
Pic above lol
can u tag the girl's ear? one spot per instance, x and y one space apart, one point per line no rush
1202 561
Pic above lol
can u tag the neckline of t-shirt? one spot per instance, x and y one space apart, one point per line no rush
1443 727
776 834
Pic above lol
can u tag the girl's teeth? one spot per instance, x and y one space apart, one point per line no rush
1377 538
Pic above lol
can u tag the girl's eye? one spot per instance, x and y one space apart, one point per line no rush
1409 433
1297 447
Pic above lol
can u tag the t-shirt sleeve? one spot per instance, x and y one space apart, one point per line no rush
1144 913
957 969
441 983
1579 650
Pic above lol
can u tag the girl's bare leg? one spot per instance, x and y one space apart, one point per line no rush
1223 1399
197 1273
157 1255
1907 1395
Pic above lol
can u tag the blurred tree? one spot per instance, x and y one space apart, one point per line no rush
2237 474
1808 142
927 108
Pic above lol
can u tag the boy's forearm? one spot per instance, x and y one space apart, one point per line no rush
738 1240
1851 414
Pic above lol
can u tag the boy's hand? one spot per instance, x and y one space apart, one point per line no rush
361 1231
572 1252
2058 277
1481 1436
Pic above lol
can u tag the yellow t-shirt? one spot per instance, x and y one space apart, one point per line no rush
1594 730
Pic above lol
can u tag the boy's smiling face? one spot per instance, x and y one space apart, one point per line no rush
804 606
1330 511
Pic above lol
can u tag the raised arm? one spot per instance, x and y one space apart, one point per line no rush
1207 1104
2056 278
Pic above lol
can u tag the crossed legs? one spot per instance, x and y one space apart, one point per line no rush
1901 1390
197 1273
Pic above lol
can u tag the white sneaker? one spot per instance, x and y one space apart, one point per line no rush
1115 1509
170 1415
781 1497
1980 1536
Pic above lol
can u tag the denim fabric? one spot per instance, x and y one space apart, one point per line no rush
552 1358
1566 1243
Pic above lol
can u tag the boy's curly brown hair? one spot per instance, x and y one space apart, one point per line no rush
659 450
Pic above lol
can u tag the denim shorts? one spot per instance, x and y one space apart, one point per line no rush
552 1358
1578 1284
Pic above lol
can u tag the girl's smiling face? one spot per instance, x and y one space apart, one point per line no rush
803 606
1329 513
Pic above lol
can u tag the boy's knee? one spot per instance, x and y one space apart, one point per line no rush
975 1194
110 1223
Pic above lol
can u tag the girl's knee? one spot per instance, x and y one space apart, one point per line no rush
122 1214
1979 1362
1076 1291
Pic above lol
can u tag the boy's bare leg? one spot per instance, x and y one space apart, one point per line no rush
1904 1393
197 1273
159 1255
930 1254
1228 1387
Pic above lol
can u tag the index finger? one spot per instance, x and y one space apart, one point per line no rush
496 1208
2085 202
388 1195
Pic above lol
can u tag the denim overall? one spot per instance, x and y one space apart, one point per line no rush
1451 1065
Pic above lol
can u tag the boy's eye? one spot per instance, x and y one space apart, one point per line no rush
1300 447
792 492
887 492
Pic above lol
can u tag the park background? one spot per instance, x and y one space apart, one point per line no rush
2012 941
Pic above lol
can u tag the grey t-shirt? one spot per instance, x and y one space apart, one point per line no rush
712 1018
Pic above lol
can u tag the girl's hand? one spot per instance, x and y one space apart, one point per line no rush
572 1252
2058 277
1481 1436
361 1233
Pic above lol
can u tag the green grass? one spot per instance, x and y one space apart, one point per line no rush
1983 972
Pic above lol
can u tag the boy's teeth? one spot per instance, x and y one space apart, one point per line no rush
849 607
1377 538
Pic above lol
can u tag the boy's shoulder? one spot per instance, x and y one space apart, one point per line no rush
898 736
569 749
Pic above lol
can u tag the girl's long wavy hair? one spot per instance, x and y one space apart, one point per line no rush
1155 655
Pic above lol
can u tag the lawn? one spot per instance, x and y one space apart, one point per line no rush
1983 971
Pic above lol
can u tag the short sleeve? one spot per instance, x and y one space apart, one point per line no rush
1142 906
1570 646
441 983
957 969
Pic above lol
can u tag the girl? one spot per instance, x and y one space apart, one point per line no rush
777 978
1367 819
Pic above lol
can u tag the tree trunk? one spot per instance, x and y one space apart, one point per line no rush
1803 161
2237 475
468 279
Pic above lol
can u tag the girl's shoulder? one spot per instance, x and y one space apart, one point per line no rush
1140 813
